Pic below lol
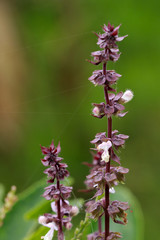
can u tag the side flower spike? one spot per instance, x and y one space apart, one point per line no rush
105 147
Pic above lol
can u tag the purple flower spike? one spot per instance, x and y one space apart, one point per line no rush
57 192
104 177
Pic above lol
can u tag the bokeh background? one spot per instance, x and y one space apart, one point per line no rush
45 94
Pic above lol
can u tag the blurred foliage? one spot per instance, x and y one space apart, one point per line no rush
55 38
22 221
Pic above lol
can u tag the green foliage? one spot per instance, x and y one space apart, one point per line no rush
16 225
80 230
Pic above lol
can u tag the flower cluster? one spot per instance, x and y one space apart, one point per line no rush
98 78
114 107
63 210
117 211
107 41
104 176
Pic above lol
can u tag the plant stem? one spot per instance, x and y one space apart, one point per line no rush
108 164
100 225
60 232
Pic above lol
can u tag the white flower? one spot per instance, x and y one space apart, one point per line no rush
105 147
96 111
127 96
43 220
112 190
54 207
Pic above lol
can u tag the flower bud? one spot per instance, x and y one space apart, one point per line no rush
127 96
74 211
68 225
42 220
112 190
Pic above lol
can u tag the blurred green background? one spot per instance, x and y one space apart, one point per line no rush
45 94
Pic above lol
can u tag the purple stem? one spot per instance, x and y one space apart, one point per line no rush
108 164
60 231
100 225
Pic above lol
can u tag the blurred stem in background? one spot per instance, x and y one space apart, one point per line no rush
12 79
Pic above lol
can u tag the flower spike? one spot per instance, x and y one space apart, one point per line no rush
104 177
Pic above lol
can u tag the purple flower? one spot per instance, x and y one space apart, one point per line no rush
110 36
99 138
95 208
98 110
113 108
58 192
117 211
51 155
98 78
105 56
118 140
51 192
103 178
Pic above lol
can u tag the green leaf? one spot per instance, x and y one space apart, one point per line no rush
37 234
41 208
16 225
134 230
